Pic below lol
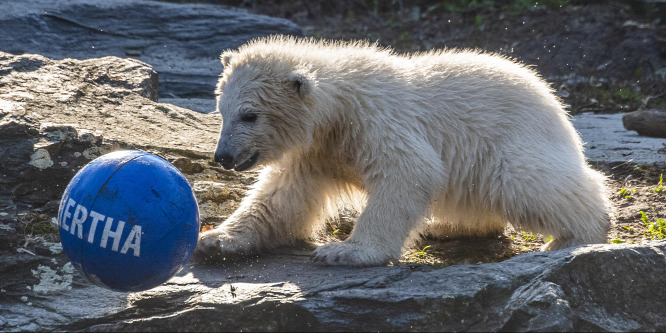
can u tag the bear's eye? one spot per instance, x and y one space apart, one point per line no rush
249 117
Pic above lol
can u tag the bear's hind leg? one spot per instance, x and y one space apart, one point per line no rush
458 223
572 208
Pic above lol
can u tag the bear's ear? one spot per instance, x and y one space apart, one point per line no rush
303 81
225 57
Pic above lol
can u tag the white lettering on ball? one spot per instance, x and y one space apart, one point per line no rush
80 215
112 234
63 223
96 217
133 241
80 219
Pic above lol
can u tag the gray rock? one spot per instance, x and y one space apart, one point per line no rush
607 141
56 116
646 122
593 288
181 41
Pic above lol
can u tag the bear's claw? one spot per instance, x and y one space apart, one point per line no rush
219 243
350 254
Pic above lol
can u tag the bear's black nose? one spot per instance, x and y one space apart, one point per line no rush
226 160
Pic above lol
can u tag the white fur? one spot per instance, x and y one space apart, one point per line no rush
466 140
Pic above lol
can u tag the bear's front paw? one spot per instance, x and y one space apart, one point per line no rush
351 254
220 243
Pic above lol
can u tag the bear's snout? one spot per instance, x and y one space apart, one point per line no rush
229 161
225 159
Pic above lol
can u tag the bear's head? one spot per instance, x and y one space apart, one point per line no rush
265 106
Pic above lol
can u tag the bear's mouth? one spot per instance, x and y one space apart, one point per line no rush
248 163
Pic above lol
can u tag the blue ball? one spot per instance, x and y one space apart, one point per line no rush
128 221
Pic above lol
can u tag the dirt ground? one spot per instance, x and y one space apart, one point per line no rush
599 56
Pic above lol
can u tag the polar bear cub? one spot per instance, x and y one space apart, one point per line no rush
462 142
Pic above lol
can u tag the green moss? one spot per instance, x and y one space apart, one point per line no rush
598 96
627 95
40 224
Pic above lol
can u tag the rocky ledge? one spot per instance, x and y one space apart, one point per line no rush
181 42
594 288
57 115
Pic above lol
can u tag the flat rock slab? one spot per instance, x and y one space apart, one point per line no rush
606 140
182 42
593 288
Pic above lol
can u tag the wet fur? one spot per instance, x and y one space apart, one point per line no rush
460 141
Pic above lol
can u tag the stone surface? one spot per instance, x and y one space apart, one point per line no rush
594 288
55 116
606 140
181 41
646 122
